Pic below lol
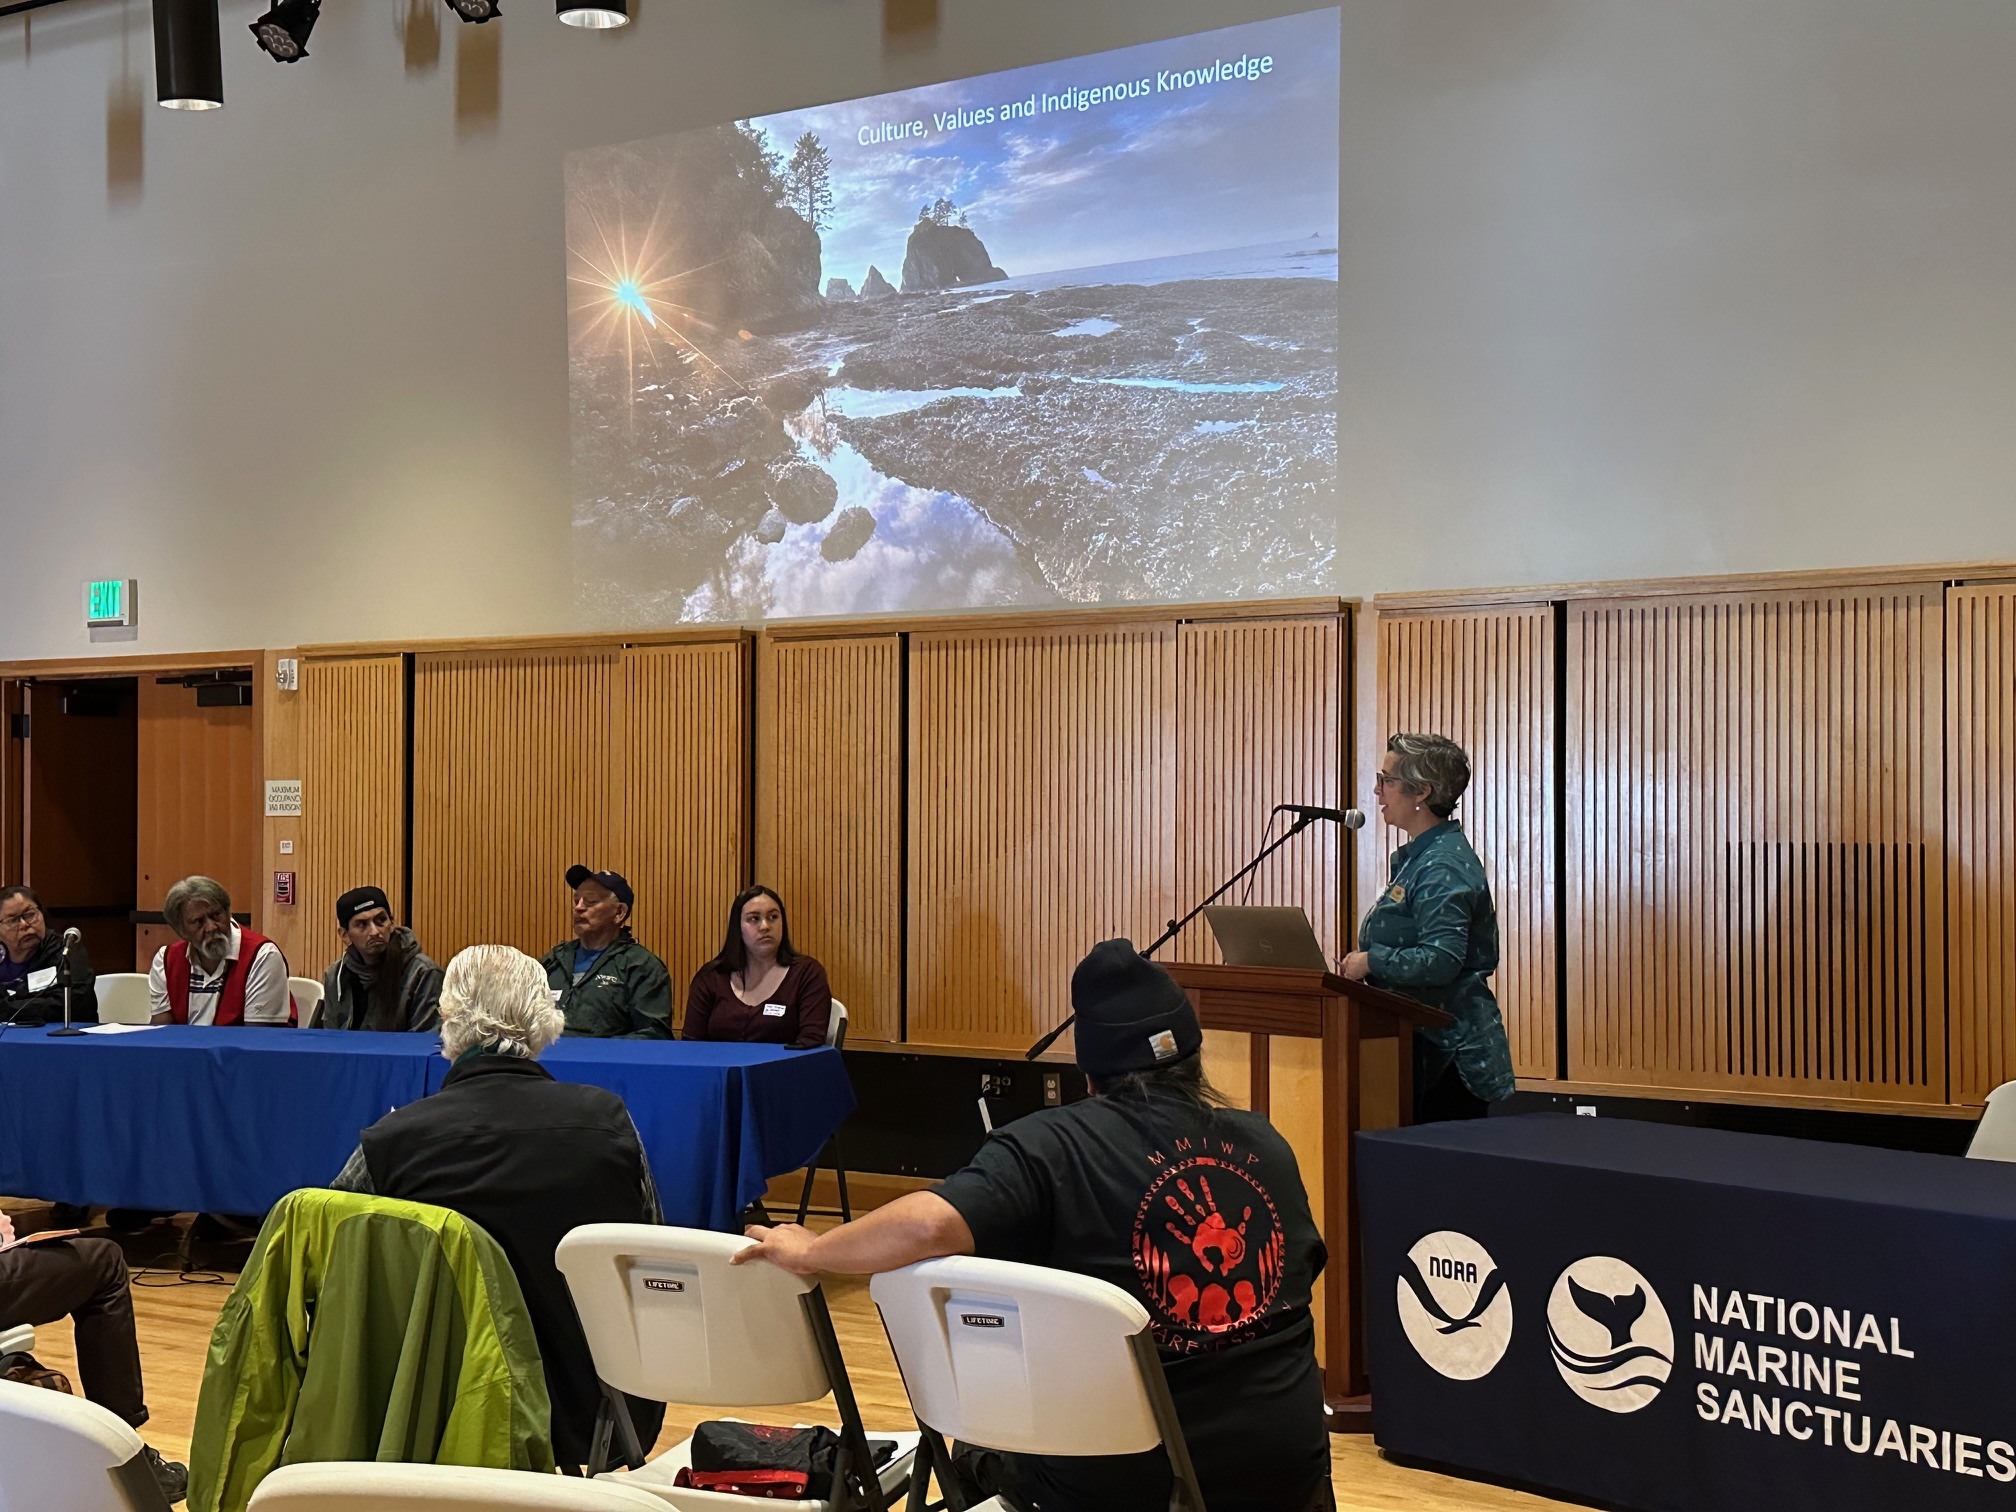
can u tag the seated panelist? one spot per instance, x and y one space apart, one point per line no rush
606 984
758 989
32 968
383 980
217 972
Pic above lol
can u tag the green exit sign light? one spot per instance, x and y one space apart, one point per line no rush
108 601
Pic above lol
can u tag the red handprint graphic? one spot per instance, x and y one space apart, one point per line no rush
1206 1273
1217 1247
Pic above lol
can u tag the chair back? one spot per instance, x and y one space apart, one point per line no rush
836 1026
20 1339
59 1451
307 993
122 998
1995 1136
362 1486
668 1318
1018 1357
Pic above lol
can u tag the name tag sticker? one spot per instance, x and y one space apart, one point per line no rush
773 1010
555 994
46 977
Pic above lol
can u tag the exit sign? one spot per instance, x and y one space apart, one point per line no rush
109 601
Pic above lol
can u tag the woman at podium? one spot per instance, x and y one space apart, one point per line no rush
1432 933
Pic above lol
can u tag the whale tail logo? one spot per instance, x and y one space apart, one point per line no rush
1609 1334
1617 1314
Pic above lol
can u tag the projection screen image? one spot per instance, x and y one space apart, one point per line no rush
1063 334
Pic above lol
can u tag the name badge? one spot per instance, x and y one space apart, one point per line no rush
554 993
773 1010
37 980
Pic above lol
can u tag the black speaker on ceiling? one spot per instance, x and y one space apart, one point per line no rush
224 696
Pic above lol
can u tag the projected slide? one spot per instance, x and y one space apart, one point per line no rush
1062 334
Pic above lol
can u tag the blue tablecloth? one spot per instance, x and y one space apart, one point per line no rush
229 1120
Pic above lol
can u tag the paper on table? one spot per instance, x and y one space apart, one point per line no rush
118 1028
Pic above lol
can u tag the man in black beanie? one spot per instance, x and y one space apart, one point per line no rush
383 980
1154 1184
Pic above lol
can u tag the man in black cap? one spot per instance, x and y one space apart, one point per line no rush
383 980
607 985
1155 1185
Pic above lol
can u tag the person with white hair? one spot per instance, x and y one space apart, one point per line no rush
523 1156
216 971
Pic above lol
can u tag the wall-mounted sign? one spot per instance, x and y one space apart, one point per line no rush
283 798
109 602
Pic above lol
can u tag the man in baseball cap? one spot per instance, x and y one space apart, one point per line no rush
383 980
606 984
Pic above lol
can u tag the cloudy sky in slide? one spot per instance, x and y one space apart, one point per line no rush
1227 164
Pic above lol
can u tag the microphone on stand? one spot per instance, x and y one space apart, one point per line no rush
71 937
1351 819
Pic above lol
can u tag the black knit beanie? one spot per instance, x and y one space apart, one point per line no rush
1131 1014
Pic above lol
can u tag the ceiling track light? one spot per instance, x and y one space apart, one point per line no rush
594 15
477 11
188 55
283 31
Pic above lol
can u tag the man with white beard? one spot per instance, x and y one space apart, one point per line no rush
217 972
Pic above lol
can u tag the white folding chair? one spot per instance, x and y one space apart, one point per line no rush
59 1451
1027 1360
668 1318
1995 1136
307 999
122 998
364 1486
19 1339
829 1153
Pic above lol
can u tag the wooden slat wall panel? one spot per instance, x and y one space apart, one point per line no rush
1042 785
353 795
1260 721
683 839
829 813
1485 678
518 772
1756 873
1981 835
201 807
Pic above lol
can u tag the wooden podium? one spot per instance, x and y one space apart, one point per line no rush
1266 1001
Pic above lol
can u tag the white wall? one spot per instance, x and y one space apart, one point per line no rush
1627 289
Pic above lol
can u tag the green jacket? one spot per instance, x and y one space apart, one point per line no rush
628 995
1433 935
365 1328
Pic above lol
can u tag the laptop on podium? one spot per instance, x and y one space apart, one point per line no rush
1266 937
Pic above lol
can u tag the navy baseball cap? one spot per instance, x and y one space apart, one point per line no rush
576 875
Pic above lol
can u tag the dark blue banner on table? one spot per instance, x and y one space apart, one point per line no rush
1679 1320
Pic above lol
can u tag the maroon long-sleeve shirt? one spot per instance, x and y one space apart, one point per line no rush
714 1012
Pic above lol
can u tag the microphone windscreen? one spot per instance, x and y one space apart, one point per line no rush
1354 819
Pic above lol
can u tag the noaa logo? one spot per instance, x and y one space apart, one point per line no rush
1611 1337
1454 1306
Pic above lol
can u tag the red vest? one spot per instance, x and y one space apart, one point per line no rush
230 1001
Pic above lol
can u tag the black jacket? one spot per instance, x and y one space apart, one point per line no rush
526 1158
21 1006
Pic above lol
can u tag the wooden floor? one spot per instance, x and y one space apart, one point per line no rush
175 1321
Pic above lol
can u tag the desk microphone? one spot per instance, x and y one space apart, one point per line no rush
71 937
1351 819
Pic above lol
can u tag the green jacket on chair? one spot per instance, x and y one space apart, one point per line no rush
365 1328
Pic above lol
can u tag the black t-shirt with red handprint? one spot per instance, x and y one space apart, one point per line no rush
1202 1216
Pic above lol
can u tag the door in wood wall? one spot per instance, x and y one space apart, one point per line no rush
1756 859
81 795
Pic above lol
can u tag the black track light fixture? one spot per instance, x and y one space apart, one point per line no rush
283 31
594 15
477 11
188 55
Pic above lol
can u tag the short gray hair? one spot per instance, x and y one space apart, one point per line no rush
194 890
495 996
1434 765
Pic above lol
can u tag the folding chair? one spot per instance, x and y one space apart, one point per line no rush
1995 1136
122 998
307 993
59 1451
362 1486
1026 1360
829 1153
667 1317
20 1339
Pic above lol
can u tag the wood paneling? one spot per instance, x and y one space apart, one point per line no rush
518 770
1042 784
1981 836
201 803
1755 897
829 813
352 762
1260 719
1485 678
682 837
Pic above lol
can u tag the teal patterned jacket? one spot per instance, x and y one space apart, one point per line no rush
1433 936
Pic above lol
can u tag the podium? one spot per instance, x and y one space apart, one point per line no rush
1270 1001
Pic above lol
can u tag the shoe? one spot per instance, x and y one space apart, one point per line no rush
70 1215
171 1477
131 1220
